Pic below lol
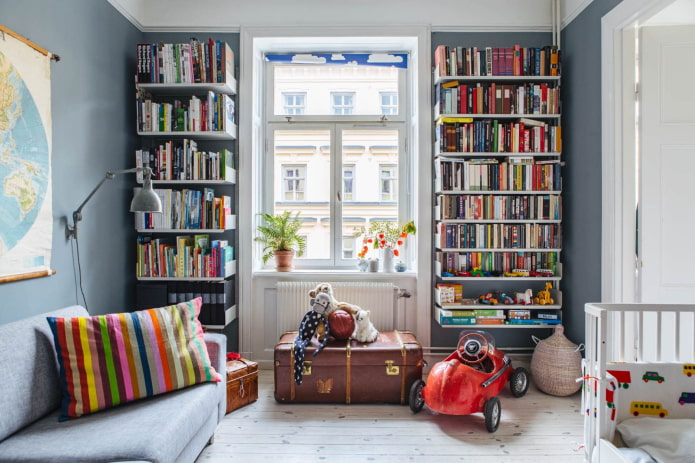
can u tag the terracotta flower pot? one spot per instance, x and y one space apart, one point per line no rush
284 261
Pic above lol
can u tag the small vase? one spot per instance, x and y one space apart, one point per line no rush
387 265
373 265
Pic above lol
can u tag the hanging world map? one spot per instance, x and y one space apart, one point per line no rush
24 159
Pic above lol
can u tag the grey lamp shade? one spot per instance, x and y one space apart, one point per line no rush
146 200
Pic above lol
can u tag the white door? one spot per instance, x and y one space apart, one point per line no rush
666 240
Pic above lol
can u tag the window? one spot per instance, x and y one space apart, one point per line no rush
293 182
343 103
294 103
388 180
348 179
325 163
349 247
389 103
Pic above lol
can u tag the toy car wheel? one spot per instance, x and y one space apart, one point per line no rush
493 412
415 399
518 382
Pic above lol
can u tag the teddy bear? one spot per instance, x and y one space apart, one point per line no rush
307 328
326 288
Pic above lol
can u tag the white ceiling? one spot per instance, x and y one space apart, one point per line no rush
440 15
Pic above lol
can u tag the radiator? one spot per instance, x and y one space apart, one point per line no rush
381 299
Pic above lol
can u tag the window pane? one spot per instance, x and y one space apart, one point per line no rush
389 103
371 155
302 167
320 85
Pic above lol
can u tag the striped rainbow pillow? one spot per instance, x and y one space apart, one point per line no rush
108 360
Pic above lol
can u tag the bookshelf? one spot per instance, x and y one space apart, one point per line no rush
497 187
186 121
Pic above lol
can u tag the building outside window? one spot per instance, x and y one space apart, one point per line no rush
331 156
388 181
389 103
343 103
349 247
294 103
293 178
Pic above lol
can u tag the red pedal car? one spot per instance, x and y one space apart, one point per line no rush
469 380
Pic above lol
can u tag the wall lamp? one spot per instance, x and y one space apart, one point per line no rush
145 200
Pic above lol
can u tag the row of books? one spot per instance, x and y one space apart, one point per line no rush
216 113
497 262
498 236
496 175
465 135
188 209
184 257
193 62
181 160
497 317
455 97
500 207
497 61
217 297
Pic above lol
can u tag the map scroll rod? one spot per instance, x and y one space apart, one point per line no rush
5 30
26 276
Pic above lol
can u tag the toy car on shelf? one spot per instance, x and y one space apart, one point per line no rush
469 380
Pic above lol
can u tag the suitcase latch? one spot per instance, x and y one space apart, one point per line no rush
306 367
391 369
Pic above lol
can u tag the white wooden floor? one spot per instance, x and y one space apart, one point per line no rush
534 428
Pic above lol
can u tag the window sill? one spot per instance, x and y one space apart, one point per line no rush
343 274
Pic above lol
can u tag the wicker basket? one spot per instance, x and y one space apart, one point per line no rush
556 364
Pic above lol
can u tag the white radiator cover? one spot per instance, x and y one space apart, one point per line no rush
380 298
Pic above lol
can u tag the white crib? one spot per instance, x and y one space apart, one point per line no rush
638 362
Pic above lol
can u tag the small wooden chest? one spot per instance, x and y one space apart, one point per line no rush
242 383
349 371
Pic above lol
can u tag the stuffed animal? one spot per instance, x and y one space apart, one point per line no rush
364 329
334 305
307 328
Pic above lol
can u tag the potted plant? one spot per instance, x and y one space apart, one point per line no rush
280 238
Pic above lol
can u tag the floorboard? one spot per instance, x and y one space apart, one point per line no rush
535 428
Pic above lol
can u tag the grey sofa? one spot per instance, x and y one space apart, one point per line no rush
172 427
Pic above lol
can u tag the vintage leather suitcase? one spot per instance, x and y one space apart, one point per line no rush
349 371
242 383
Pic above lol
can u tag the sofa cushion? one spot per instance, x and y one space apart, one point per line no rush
107 360
29 386
156 429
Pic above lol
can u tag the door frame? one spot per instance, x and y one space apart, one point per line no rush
618 134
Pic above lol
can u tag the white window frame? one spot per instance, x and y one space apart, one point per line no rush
254 42
335 185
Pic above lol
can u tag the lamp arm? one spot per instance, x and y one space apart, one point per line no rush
71 231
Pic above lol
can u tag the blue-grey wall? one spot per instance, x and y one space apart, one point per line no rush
581 115
93 112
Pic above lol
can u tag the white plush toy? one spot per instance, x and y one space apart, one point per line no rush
364 329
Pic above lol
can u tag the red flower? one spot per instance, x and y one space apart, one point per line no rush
395 252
